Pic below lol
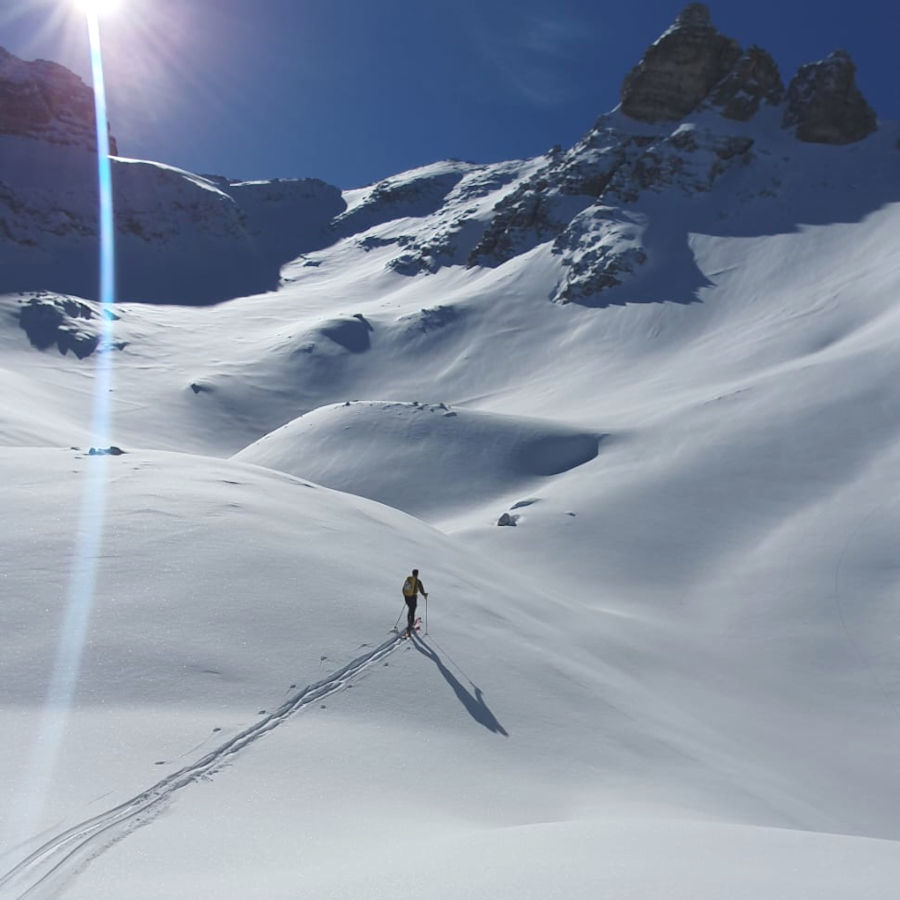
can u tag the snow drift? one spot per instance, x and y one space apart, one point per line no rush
426 459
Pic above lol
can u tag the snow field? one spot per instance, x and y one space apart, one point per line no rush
676 675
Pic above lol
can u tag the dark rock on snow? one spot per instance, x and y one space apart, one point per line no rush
48 319
824 104
753 79
679 69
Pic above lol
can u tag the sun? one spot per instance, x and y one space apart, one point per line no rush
98 7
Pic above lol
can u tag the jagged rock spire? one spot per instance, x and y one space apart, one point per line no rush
692 64
679 69
753 79
824 104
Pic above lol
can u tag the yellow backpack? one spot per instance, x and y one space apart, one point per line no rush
409 586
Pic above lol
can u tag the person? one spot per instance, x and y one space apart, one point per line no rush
411 589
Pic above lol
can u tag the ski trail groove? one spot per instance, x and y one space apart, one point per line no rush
79 844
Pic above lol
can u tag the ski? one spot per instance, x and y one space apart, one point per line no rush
416 626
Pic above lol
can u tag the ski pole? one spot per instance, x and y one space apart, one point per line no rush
398 617
426 614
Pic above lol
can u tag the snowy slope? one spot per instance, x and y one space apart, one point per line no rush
432 459
678 673
180 237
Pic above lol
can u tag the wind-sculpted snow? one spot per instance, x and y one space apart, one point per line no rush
426 459
287 217
47 868
415 194
351 332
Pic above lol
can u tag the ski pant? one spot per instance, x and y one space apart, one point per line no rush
410 610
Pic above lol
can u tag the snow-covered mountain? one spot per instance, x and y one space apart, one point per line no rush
629 406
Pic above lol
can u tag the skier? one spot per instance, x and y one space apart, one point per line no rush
411 588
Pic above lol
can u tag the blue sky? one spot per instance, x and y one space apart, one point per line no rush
351 91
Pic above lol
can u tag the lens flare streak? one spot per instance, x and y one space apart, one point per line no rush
82 583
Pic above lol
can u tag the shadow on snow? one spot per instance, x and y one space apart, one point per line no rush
473 702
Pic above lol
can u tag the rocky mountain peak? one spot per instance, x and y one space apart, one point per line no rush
691 66
694 15
678 70
754 79
824 104
45 101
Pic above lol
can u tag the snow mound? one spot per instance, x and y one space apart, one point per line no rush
233 550
426 459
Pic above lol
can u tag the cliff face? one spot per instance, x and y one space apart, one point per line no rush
46 102
679 69
692 65
825 106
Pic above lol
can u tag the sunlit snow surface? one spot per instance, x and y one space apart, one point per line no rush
675 673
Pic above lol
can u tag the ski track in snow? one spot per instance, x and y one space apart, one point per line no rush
43 871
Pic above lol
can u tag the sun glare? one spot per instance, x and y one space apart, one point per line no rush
97 7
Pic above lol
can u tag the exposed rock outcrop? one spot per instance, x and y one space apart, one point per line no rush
689 159
68 323
603 246
679 69
530 215
824 104
571 200
579 198
753 79
47 102
600 249
458 223
541 207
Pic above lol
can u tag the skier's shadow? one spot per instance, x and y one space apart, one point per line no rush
474 704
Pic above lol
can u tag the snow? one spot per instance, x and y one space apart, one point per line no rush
677 675
180 237
457 458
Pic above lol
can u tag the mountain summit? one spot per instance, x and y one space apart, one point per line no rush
825 105
678 71
699 115
692 63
